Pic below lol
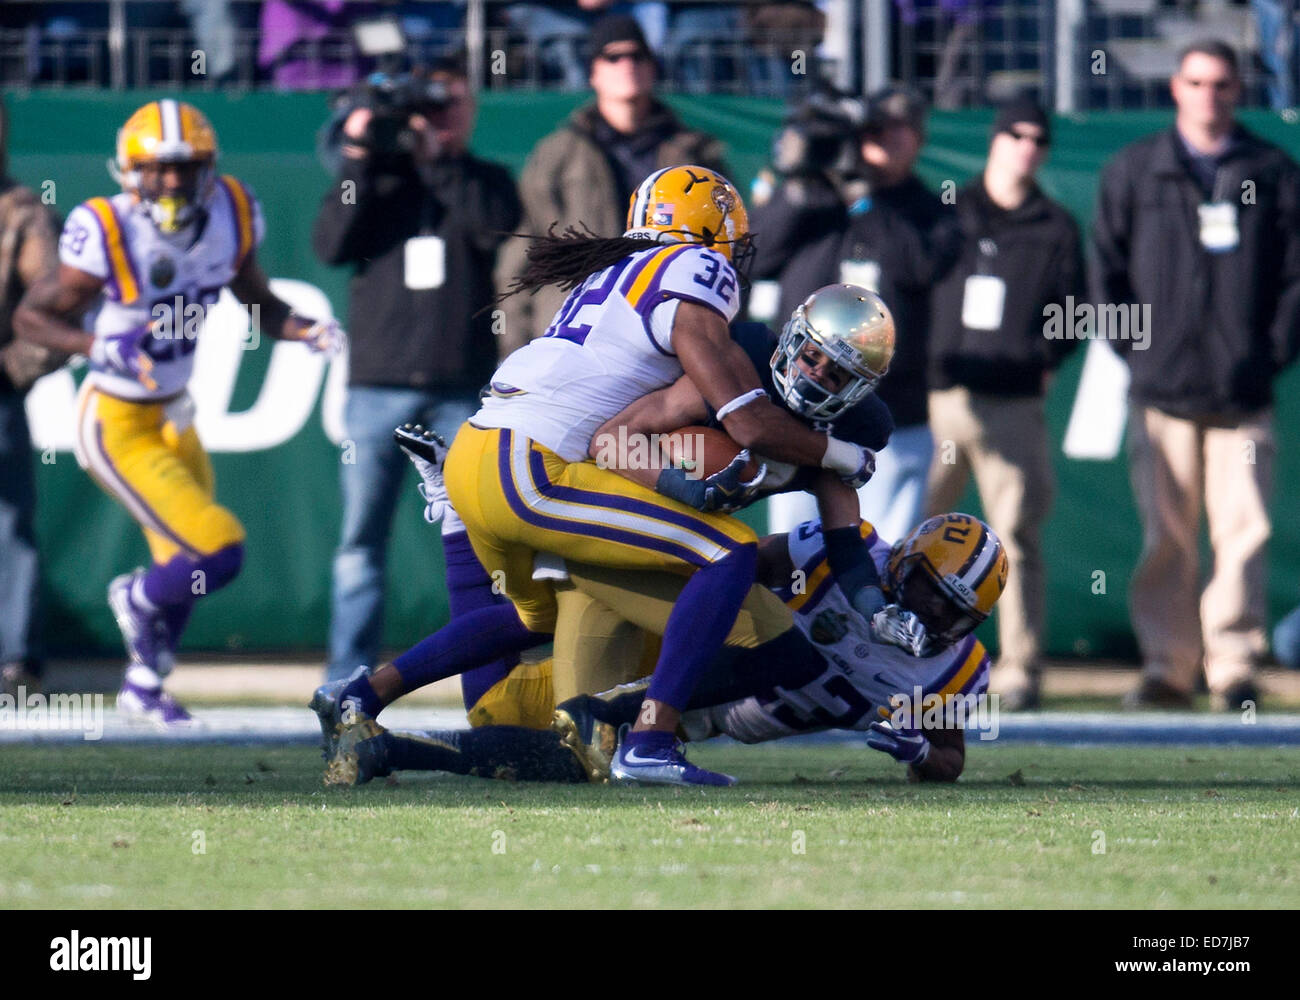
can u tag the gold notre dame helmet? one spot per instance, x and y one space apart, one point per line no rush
949 572
853 328
691 204
167 131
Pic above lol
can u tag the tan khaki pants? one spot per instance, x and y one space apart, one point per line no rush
1003 443
1176 466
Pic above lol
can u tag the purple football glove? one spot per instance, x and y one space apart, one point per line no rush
908 746
325 337
123 354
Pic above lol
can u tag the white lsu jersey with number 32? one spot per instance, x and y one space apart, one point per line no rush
150 277
609 345
862 674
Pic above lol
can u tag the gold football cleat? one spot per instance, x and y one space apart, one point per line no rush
590 741
342 768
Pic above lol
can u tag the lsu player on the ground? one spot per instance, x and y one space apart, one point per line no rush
828 671
139 269
644 308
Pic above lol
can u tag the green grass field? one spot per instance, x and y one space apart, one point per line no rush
91 826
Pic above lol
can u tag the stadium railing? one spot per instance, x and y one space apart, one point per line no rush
1072 54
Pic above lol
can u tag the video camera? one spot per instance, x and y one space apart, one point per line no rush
392 100
821 136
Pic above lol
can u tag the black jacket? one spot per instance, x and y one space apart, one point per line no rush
1036 251
906 233
428 338
1223 324
797 232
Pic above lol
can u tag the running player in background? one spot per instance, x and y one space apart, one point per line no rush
140 268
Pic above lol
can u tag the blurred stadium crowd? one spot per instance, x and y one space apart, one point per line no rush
957 53
969 274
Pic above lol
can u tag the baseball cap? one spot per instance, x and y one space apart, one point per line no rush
893 106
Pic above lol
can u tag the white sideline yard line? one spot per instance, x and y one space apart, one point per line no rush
1112 729
288 725
232 725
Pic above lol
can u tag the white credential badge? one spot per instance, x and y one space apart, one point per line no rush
426 258
982 303
864 273
1219 232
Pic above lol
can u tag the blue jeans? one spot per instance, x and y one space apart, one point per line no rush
893 502
19 569
894 499
370 485
1286 640
1277 49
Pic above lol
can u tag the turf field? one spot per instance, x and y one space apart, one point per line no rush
115 826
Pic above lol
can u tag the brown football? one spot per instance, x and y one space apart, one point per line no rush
705 450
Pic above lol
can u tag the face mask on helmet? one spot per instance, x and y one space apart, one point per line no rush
171 192
849 327
945 616
949 572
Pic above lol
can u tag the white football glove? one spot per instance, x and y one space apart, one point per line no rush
901 628
866 469
427 452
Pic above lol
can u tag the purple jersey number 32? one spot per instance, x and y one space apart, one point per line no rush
592 292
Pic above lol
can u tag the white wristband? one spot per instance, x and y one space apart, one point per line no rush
742 400
841 457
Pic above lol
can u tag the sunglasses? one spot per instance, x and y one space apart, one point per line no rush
1220 86
1041 141
638 55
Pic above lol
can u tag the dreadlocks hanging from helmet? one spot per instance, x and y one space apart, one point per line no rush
686 204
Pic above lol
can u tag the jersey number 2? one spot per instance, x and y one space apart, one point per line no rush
591 294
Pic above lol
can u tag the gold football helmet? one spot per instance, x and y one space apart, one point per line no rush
167 132
949 572
849 325
691 204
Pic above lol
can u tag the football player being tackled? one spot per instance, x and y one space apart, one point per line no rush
593 636
644 308
148 262
830 670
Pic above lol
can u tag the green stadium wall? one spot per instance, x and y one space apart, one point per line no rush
287 494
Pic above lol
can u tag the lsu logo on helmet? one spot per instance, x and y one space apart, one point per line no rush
691 204
949 572
167 132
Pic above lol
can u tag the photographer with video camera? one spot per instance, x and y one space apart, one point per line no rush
420 220
800 203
